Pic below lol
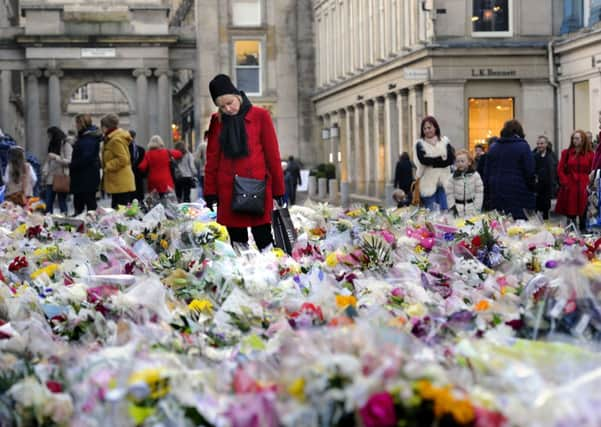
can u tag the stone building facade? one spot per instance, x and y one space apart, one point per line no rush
385 64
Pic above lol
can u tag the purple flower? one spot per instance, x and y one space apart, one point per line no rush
449 237
379 411
551 264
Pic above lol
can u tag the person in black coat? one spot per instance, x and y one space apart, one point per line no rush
294 179
509 172
403 175
545 166
136 154
85 164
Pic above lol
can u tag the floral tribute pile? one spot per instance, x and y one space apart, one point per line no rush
379 318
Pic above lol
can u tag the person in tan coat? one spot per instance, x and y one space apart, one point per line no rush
118 177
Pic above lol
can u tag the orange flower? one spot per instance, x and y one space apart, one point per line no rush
482 305
343 301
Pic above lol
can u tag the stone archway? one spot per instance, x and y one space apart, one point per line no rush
96 97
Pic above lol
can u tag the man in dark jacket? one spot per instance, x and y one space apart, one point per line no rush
136 154
85 164
403 175
509 172
293 171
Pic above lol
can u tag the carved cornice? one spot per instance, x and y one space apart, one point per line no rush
163 72
54 72
32 73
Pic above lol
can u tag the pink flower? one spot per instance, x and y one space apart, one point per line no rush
486 418
379 411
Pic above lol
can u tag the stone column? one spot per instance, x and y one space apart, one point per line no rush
368 144
379 149
4 100
164 102
198 131
343 143
391 135
402 102
359 148
349 149
54 96
141 126
33 124
416 100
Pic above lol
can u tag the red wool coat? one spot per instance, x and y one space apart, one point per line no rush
156 162
263 161
573 178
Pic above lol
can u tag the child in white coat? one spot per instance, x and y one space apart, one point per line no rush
464 188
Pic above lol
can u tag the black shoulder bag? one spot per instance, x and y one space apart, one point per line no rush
248 195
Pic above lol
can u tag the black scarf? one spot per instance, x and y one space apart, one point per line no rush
233 132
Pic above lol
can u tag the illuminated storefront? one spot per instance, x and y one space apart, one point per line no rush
486 117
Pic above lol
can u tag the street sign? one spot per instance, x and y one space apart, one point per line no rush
416 73
98 52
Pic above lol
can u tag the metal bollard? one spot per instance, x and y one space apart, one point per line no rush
345 194
322 188
333 187
312 186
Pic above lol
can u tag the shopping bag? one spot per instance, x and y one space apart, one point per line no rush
61 183
283 229
416 198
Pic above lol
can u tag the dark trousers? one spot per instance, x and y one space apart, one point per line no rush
49 200
183 187
543 204
120 199
84 202
261 233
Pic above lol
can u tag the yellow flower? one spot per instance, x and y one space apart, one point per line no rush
418 249
354 213
343 301
297 389
155 378
278 252
373 208
153 236
515 230
198 227
201 306
164 244
20 230
416 310
592 270
332 259
139 236
49 270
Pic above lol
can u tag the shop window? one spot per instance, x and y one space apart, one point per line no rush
248 66
491 18
486 118
246 13
81 94
595 12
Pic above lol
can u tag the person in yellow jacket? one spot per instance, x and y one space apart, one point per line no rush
118 178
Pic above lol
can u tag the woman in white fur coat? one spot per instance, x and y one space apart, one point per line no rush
433 156
465 192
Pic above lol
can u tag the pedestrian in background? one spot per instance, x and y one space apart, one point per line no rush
509 172
19 177
200 160
573 171
292 170
136 154
57 163
85 164
597 158
434 155
242 141
118 177
403 175
545 167
464 189
157 165
187 171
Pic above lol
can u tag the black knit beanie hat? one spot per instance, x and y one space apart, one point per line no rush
222 85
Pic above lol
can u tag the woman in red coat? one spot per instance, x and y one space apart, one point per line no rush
157 163
573 172
241 141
